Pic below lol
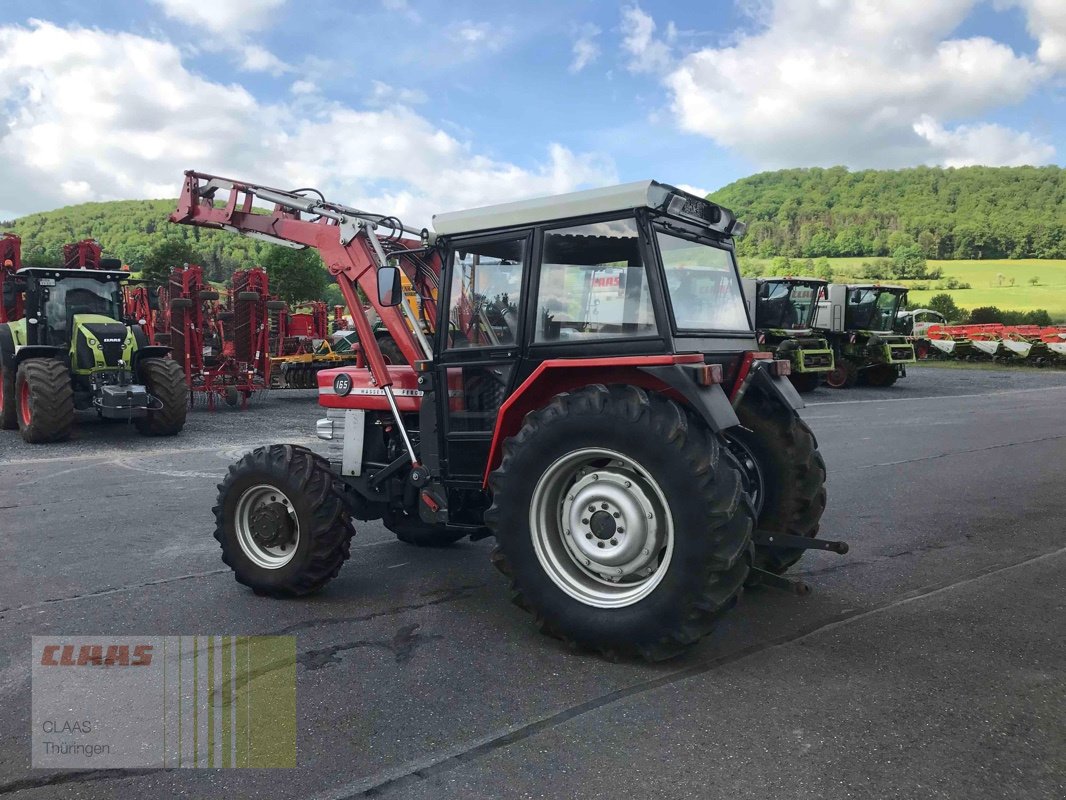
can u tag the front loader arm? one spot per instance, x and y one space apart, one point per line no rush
344 237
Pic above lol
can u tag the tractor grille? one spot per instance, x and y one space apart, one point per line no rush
901 352
817 360
110 337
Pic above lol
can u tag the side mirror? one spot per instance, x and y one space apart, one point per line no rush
390 289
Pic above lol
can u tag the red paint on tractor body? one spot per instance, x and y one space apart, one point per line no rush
367 394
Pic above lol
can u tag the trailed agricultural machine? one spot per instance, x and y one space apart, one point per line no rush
586 387
74 350
783 310
302 346
223 352
858 320
1037 344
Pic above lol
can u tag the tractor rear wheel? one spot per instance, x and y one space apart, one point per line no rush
8 406
165 382
620 523
282 522
45 400
881 375
412 530
844 375
806 381
784 473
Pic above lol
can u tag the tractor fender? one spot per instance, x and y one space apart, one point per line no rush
761 380
7 346
149 351
36 351
661 373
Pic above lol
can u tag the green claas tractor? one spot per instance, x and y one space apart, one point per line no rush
70 351
783 313
858 321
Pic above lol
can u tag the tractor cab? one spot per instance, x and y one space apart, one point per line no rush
859 320
784 309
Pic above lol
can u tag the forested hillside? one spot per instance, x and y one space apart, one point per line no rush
129 229
966 213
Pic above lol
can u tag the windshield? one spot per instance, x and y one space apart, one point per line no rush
786 304
704 290
72 296
872 308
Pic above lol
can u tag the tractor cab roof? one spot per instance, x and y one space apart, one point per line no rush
102 275
659 197
792 279
889 286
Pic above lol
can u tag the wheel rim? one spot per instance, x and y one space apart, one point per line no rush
836 376
24 404
601 528
268 529
750 472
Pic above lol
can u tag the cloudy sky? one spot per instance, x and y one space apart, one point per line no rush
414 106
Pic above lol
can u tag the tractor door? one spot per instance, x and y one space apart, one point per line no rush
479 345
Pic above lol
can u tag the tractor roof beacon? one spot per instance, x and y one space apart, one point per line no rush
73 350
578 369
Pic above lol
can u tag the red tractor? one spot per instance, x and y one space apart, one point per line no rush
584 385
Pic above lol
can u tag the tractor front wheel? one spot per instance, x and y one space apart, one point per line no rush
8 406
844 375
45 400
784 474
881 375
282 522
620 523
165 382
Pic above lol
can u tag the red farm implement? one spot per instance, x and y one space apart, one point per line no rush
11 299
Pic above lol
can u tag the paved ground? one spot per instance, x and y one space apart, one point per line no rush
929 662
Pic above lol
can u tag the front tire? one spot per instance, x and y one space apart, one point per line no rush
165 382
45 400
619 522
282 522
806 382
844 375
8 406
790 473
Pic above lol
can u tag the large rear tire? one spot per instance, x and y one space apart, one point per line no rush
165 382
788 479
282 522
8 406
45 400
620 523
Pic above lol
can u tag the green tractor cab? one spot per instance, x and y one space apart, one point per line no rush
783 310
858 321
72 350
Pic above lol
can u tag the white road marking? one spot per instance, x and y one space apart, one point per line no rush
938 397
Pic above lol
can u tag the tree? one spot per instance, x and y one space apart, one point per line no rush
295 275
985 314
945 304
165 257
823 269
908 261
1033 281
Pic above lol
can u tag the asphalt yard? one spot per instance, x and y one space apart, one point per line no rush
928 662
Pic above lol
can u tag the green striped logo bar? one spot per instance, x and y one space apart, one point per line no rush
164 701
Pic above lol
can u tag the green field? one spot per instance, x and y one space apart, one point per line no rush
983 277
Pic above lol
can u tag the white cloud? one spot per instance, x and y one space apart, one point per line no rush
1047 24
153 118
968 145
402 7
386 94
258 59
303 87
647 53
222 17
586 49
856 82
696 190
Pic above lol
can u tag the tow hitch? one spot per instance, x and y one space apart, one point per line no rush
790 542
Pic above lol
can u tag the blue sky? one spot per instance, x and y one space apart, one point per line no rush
421 106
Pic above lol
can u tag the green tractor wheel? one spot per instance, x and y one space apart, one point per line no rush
45 400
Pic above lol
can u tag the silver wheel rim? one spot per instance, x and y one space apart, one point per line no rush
251 505
601 528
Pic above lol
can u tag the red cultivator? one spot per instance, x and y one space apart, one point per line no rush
223 352
11 300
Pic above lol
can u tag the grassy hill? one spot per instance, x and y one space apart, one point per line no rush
966 213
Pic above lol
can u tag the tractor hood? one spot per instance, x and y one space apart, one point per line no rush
100 342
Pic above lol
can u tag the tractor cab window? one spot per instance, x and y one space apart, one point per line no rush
704 289
486 294
786 304
593 284
872 309
73 296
